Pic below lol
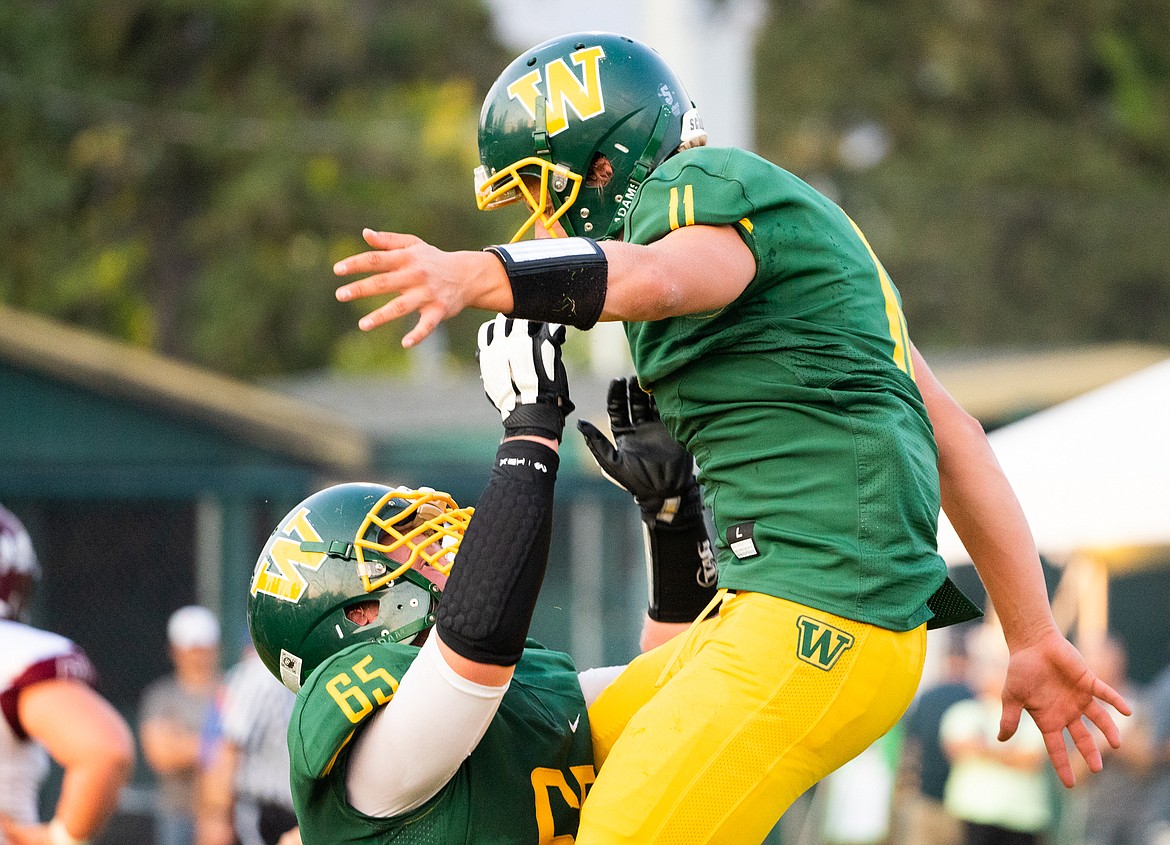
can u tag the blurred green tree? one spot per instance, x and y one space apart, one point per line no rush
182 174
1010 162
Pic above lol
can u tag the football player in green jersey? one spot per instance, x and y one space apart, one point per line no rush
420 720
774 343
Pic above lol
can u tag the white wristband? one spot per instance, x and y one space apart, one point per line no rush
59 835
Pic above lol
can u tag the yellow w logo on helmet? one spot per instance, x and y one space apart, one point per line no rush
564 90
278 571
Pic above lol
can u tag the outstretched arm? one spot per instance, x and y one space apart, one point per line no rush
466 664
1046 674
691 270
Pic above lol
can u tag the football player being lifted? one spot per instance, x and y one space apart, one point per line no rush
774 343
423 715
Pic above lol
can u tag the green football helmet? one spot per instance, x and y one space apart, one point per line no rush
341 548
561 107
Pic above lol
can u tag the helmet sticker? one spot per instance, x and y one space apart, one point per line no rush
667 96
563 90
694 133
290 670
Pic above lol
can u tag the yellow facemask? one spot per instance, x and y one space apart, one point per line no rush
508 186
430 519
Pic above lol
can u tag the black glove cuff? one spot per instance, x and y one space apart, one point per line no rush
683 575
675 510
539 420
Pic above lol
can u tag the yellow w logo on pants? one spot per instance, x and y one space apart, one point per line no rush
821 645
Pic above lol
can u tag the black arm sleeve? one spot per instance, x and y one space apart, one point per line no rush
487 606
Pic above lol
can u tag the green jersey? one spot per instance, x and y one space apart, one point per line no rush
798 398
523 783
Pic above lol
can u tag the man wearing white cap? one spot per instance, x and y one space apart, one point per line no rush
172 714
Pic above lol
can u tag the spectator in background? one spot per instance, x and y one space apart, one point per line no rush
928 822
1109 808
50 710
245 794
1156 715
171 717
999 790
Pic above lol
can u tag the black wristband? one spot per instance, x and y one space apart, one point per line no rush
487 606
557 280
539 419
682 568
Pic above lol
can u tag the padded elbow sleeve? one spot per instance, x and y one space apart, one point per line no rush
487 606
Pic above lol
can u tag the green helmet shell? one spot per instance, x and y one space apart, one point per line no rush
563 103
343 545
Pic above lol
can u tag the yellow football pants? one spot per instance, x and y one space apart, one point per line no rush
710 737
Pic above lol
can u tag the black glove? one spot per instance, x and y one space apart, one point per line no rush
650 464
646 460
524 376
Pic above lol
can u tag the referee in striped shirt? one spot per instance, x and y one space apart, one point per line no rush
247 798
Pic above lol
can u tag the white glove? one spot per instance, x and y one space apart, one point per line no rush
524 376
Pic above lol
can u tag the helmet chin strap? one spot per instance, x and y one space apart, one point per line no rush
540 131
644 165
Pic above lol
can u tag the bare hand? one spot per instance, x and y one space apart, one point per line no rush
1050 680
436 284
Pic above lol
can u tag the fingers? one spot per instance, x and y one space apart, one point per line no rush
1085 744
617 404
487 331
369 286
382 262
389 240
1112 697
428 320
1102 718
1009 720
494 367
400 306
600 445
1058 754
385 245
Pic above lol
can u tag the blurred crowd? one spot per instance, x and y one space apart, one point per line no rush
943 777
216 742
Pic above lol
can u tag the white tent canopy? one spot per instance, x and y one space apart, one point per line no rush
1092 473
